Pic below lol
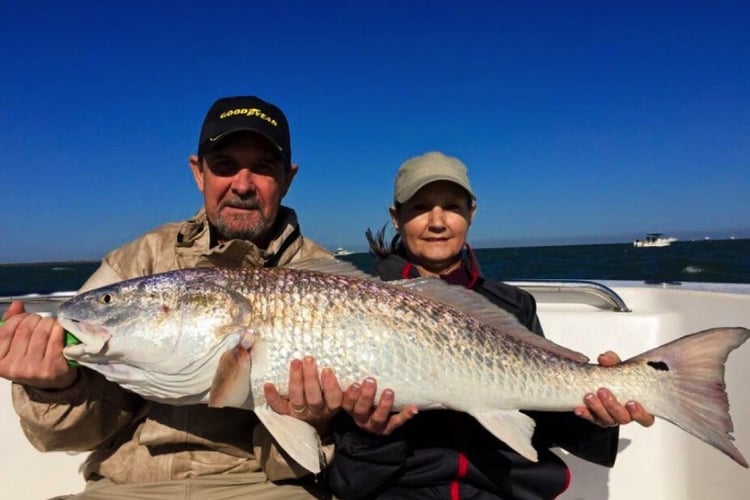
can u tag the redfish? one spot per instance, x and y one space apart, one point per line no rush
216 335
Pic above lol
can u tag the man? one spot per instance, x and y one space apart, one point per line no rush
143 449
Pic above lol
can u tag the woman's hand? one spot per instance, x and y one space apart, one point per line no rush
359 402
605 410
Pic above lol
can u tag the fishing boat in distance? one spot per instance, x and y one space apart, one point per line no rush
342 251
654 240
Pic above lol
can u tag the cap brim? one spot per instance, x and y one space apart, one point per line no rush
406 196
213 142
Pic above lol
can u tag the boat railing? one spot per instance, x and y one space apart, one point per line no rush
570 290
37 302
574 291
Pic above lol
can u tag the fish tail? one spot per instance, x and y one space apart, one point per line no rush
700 404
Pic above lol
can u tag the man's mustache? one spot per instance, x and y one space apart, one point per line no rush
243 203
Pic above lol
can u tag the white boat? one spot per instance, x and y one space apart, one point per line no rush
654 240
658 463
342 251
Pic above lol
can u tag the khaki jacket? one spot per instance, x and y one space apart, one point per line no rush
134 440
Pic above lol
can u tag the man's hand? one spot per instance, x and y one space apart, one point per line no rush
359 402
31 350
313 397
604 410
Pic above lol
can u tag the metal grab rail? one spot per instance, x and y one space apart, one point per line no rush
38 303
609 298
33 298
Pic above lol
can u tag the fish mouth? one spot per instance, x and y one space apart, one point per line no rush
93 338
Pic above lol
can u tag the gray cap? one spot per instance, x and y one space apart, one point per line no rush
419 171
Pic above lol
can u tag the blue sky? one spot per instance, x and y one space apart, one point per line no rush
580 121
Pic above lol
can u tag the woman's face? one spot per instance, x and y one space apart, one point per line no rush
433 225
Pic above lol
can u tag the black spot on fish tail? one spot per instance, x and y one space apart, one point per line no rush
658 365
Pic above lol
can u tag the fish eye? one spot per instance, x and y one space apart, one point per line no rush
106 298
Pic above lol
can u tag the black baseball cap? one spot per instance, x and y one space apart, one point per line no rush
245 113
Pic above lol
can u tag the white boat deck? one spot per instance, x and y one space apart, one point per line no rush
661 462
658 463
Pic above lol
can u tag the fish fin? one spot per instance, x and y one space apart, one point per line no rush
331 266
296 437
479 307
231 384
511 427
700 404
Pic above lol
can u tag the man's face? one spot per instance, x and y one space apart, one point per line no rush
243 181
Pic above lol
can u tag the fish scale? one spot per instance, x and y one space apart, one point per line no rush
394 346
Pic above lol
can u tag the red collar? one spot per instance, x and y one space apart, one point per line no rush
466 275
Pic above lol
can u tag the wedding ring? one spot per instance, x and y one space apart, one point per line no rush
299 410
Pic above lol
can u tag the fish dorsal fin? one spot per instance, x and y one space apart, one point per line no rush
330 266
479 307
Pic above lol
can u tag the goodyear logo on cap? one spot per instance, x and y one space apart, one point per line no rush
249 112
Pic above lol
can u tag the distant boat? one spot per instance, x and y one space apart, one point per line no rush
654 240
342 251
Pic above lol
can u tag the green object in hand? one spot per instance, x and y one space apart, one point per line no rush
70 339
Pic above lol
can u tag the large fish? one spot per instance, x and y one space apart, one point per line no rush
215 336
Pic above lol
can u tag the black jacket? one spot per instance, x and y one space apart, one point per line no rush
449 455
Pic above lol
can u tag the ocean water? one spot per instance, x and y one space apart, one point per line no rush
721 261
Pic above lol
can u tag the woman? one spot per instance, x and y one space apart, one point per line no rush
442 453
